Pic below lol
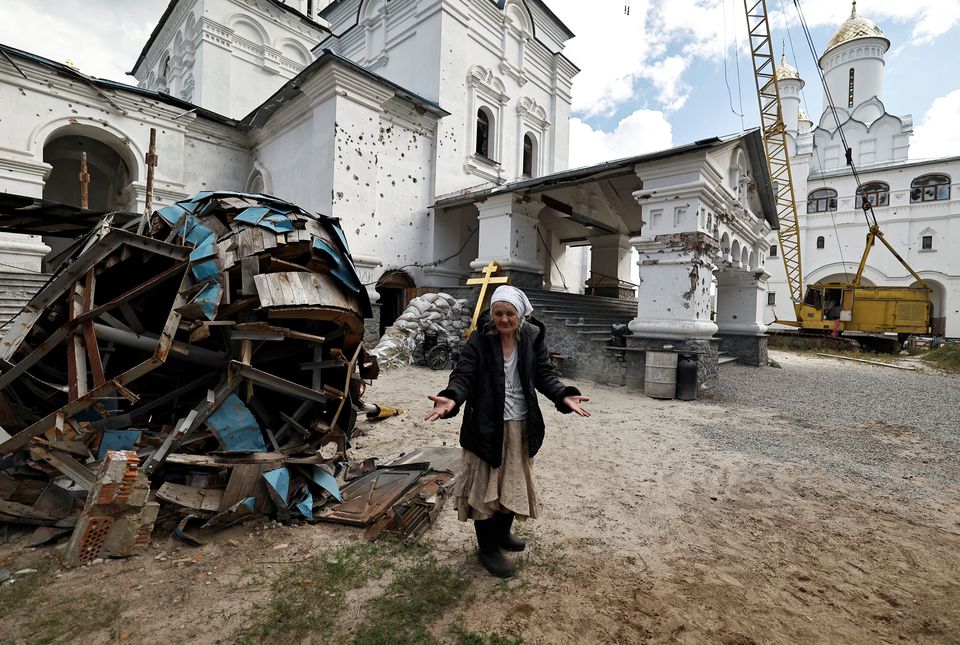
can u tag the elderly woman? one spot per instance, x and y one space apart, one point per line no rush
496 376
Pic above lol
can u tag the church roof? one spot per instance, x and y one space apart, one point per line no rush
853 28
786 71
98 84
173 3
753 143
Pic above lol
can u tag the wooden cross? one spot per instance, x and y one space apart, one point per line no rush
84 182
486 280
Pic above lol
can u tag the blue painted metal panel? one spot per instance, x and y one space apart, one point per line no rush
118 440
327 482
253 215
235 427
172 214
278 485
209 300
305 506
341 266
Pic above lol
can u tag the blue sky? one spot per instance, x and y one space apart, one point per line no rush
649 80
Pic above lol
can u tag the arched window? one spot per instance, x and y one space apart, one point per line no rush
484 128
930 188
528 149
875 193
163 76
821 242
821 201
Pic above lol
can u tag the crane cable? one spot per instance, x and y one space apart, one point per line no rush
848 151
806 105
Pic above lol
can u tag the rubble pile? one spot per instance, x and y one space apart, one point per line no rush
440 313
213 362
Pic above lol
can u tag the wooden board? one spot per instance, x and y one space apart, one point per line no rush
196 499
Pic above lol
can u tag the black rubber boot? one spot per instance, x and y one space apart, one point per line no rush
490 555
508 540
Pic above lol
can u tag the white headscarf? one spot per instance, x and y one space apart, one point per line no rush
517 298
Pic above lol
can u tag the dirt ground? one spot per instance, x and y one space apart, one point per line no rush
653 530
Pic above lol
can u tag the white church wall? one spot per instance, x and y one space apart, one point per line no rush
904 225
228 56
865 57
467 56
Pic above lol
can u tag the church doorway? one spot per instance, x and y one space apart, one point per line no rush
394 288
109 173
938 297
110 177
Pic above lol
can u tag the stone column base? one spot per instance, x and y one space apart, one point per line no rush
749 350
703 350
614 291
371 326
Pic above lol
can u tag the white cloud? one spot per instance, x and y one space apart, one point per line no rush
102 37
643 131
660 39
938 134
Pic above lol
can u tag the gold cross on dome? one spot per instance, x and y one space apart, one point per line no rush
486 280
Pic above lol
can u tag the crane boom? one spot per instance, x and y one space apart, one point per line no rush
775 143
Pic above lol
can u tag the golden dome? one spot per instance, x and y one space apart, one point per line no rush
855 27
786 71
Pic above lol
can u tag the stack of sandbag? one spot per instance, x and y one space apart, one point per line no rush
440 313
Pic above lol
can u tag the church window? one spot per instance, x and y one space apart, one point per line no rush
771 298
528 149
930 188
926 243
875 193
821 201
773 250
850 90
484 130
163 77
821 242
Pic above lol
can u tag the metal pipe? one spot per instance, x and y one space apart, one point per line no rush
148 343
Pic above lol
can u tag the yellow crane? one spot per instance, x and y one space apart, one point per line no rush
825 307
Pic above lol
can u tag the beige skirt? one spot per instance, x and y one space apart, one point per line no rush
484 490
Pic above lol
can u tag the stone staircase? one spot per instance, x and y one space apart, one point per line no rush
579 325
16 290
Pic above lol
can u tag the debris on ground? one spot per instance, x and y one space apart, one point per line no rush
212 363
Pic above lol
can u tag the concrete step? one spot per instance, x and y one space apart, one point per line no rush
723 359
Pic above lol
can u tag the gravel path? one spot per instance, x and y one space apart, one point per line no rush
851 420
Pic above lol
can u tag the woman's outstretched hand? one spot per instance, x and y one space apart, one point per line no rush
573 402
442 406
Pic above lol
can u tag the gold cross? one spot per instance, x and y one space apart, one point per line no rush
487 279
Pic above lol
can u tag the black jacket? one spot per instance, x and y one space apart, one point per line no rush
478 382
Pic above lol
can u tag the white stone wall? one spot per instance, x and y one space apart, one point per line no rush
466 56
228 56
903 224
194 153
349 148
865 57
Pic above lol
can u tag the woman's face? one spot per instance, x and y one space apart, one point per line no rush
505 318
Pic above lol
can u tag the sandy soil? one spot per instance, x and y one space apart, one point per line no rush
652 530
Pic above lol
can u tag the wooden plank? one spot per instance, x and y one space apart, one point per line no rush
67 465
244 482
89 336
351 366
197 499
76 356
227 460
249 268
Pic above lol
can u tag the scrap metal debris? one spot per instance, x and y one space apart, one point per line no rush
214 363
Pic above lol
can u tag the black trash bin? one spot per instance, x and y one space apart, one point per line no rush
686 378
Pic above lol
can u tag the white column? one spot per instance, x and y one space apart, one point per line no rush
741 296
609 258
674 294
508 234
